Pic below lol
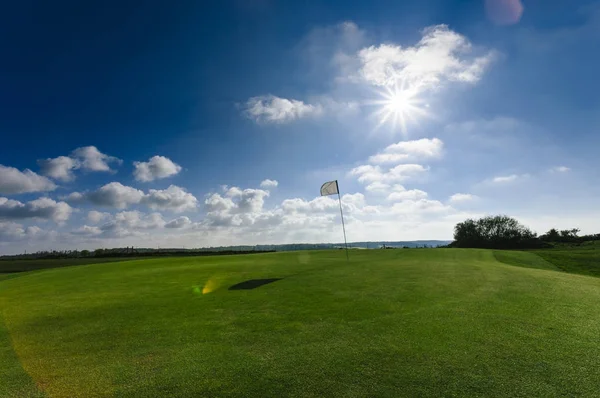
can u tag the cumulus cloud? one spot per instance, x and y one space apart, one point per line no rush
129 223
407 194
269 184
174 198
441 55
409 151
120 196
237 207
14 181
12 232
180 222
113 194
95 216
272 109
462 198
42 208
91 159
139 220
60 168
156 167
420 207
560 169
87 230
88 158
320 204
369 174
377 187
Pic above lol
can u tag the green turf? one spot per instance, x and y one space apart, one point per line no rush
396 323
523 259
577 260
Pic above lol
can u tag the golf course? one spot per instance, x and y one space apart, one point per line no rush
395 323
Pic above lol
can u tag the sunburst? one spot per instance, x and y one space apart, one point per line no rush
398 106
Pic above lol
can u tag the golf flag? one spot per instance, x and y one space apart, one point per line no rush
330 188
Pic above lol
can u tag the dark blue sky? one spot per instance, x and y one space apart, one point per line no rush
175 79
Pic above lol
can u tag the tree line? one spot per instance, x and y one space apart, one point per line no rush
504 232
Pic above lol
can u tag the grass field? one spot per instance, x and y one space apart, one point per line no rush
397 323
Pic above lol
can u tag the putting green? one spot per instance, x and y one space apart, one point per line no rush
419 322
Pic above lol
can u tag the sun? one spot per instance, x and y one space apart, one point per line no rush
399 107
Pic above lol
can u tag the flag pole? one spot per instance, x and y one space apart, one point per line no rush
342 214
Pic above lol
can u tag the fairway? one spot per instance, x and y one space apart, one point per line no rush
395 323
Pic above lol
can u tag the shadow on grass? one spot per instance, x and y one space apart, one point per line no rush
253 284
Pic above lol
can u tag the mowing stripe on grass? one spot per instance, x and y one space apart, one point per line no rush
14 381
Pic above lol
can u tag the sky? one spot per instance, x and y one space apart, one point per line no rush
196 124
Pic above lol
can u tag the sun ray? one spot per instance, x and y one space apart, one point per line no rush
399 107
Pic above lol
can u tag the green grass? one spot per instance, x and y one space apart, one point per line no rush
574 260
524 259
583 259
395 323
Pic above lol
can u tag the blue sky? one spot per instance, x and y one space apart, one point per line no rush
159 124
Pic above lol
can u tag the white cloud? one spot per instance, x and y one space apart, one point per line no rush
113 194
88 158
409 151
272 109
368 174
87 230
13 232
10 231
156 167
377 187
420 207
42 208
560 169
91 159
174 198
462 198
95 216
251 200
60 168
119 196
14 181
139 220
132 223
269 184
441 55
508 178
319 204
410 194
238 207
180 222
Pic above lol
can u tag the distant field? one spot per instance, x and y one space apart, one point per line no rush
395 323
9 266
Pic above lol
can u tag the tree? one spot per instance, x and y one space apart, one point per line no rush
493 232
565 235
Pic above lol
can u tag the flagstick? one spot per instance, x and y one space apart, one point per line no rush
342 214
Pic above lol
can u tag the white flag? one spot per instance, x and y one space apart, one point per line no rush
329 188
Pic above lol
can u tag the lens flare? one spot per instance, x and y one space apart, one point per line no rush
210 286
